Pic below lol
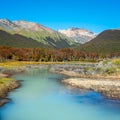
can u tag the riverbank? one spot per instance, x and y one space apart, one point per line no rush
103 77
108 88
7 69
98 76
103 69
6 85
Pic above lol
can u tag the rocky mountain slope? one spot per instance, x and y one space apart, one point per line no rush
78 34
37 32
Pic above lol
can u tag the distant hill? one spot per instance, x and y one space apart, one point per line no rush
106 42
37 32
16 40
79 35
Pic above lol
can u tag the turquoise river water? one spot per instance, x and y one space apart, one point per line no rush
43 97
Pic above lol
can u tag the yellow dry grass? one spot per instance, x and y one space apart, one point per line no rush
116 61
4 81
11 64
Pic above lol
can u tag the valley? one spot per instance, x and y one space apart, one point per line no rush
59 60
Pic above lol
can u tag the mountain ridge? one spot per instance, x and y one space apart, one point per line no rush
7 39
80 35
36 32
107 41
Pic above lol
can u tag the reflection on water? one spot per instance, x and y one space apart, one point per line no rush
43 97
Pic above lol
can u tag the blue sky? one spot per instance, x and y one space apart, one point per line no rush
95 15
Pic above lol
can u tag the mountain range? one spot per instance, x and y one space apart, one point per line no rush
79 35
26 34
37 32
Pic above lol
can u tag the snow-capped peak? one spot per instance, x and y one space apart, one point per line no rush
78 34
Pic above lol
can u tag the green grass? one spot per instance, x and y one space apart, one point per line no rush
116 61
5 80
110 70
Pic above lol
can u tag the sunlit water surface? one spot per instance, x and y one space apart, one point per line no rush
43 97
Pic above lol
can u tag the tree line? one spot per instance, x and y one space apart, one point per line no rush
50 55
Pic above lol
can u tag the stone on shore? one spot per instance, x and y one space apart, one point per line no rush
109 88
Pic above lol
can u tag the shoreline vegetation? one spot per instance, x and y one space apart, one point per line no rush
7 85
9 68
103 77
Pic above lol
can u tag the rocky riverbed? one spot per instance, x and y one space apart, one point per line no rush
90 76
109 88
103 77
88 70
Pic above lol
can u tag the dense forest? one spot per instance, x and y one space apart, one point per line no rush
41 54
